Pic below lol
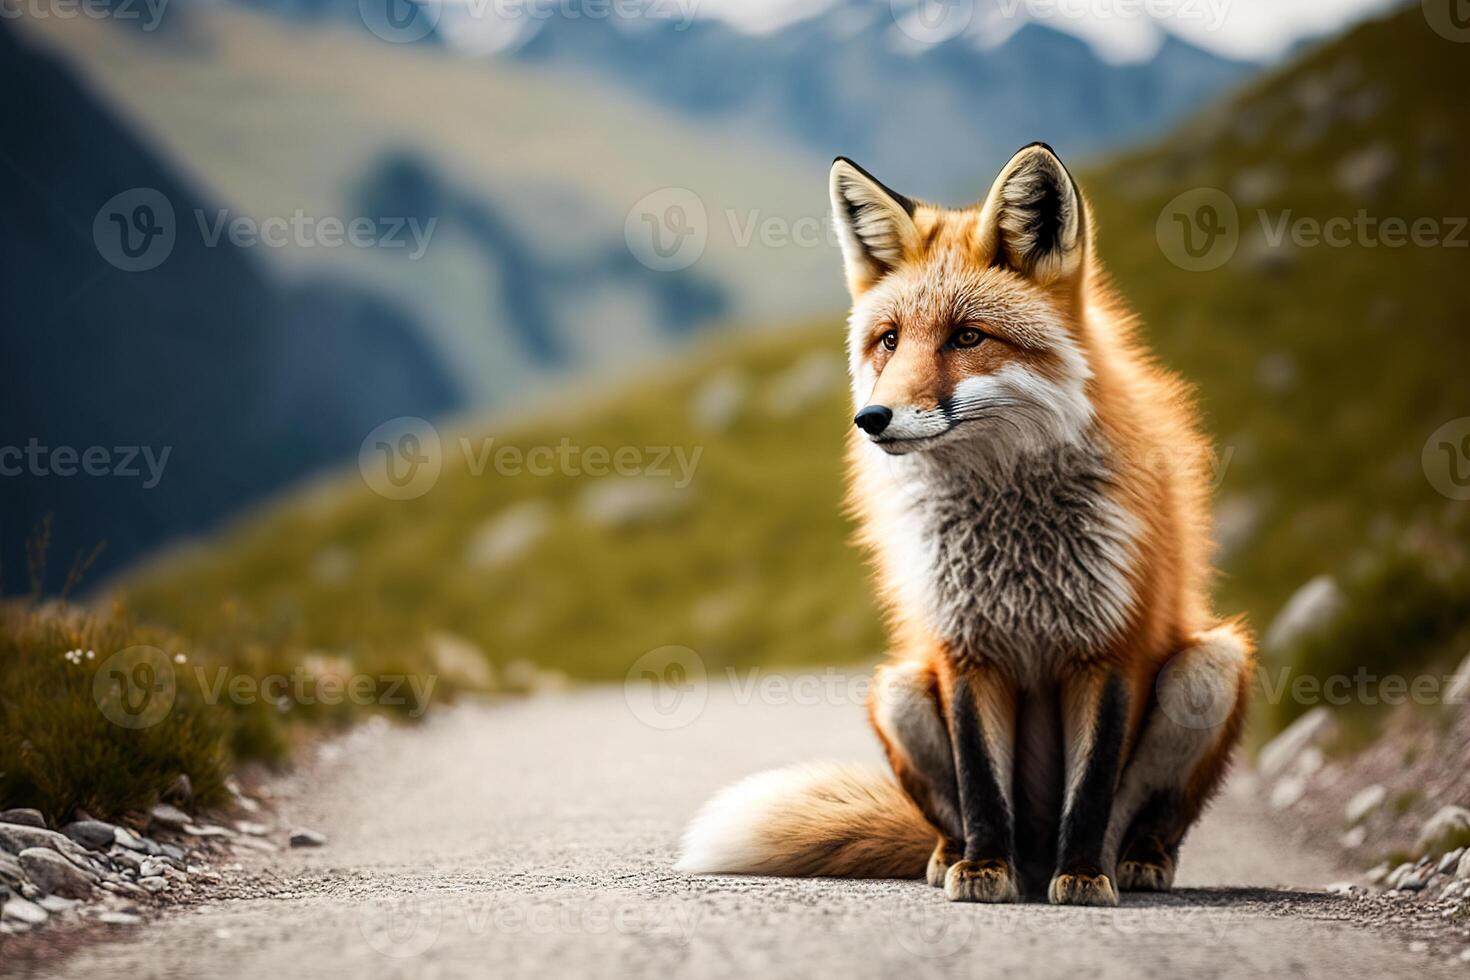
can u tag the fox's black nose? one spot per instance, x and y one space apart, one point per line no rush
873 419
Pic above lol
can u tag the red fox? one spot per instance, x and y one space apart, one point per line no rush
1032 488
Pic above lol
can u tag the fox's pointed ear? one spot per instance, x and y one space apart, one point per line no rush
874 224
1034 220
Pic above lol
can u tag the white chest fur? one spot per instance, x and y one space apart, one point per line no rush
1023 566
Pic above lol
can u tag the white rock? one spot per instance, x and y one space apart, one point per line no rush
168 815
17 909
1366 171
1377 873
1316 727
1310 762
1256 184
804 382
461 662
1446 820
55 903
206 830
1463 871
509 535
1287 791
1311 608
307 838
623 501
716 404
1458 690
1364 802
119 919
1354 838
1450 861
154 884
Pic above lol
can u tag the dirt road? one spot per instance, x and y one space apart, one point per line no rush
535 838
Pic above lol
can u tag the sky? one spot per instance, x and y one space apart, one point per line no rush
1257 29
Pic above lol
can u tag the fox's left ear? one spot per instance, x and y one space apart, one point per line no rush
874 224
1034 220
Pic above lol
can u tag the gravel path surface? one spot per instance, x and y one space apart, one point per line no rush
535 838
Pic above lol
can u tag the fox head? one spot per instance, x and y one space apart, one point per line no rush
965 322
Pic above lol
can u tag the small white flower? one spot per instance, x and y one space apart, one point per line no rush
179 658
91 654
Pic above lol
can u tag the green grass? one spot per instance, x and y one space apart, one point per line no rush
58 749
112 727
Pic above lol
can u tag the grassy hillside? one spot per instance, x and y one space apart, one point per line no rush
1323 371
576 572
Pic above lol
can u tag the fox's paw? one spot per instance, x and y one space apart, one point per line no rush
981 881
1146 876
1082 889
940 861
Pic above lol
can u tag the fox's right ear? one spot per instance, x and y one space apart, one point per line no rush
874 224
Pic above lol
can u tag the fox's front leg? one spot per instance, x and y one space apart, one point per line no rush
981 707
1095 713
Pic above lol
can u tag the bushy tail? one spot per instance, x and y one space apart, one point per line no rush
821 820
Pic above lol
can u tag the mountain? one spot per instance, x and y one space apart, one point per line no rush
846 81
534 182
196 385
850 82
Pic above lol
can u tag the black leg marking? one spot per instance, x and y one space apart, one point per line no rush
1085 824
1150 852
987 818
988 871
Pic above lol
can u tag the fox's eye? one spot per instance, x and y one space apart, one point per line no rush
889 340
967 337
